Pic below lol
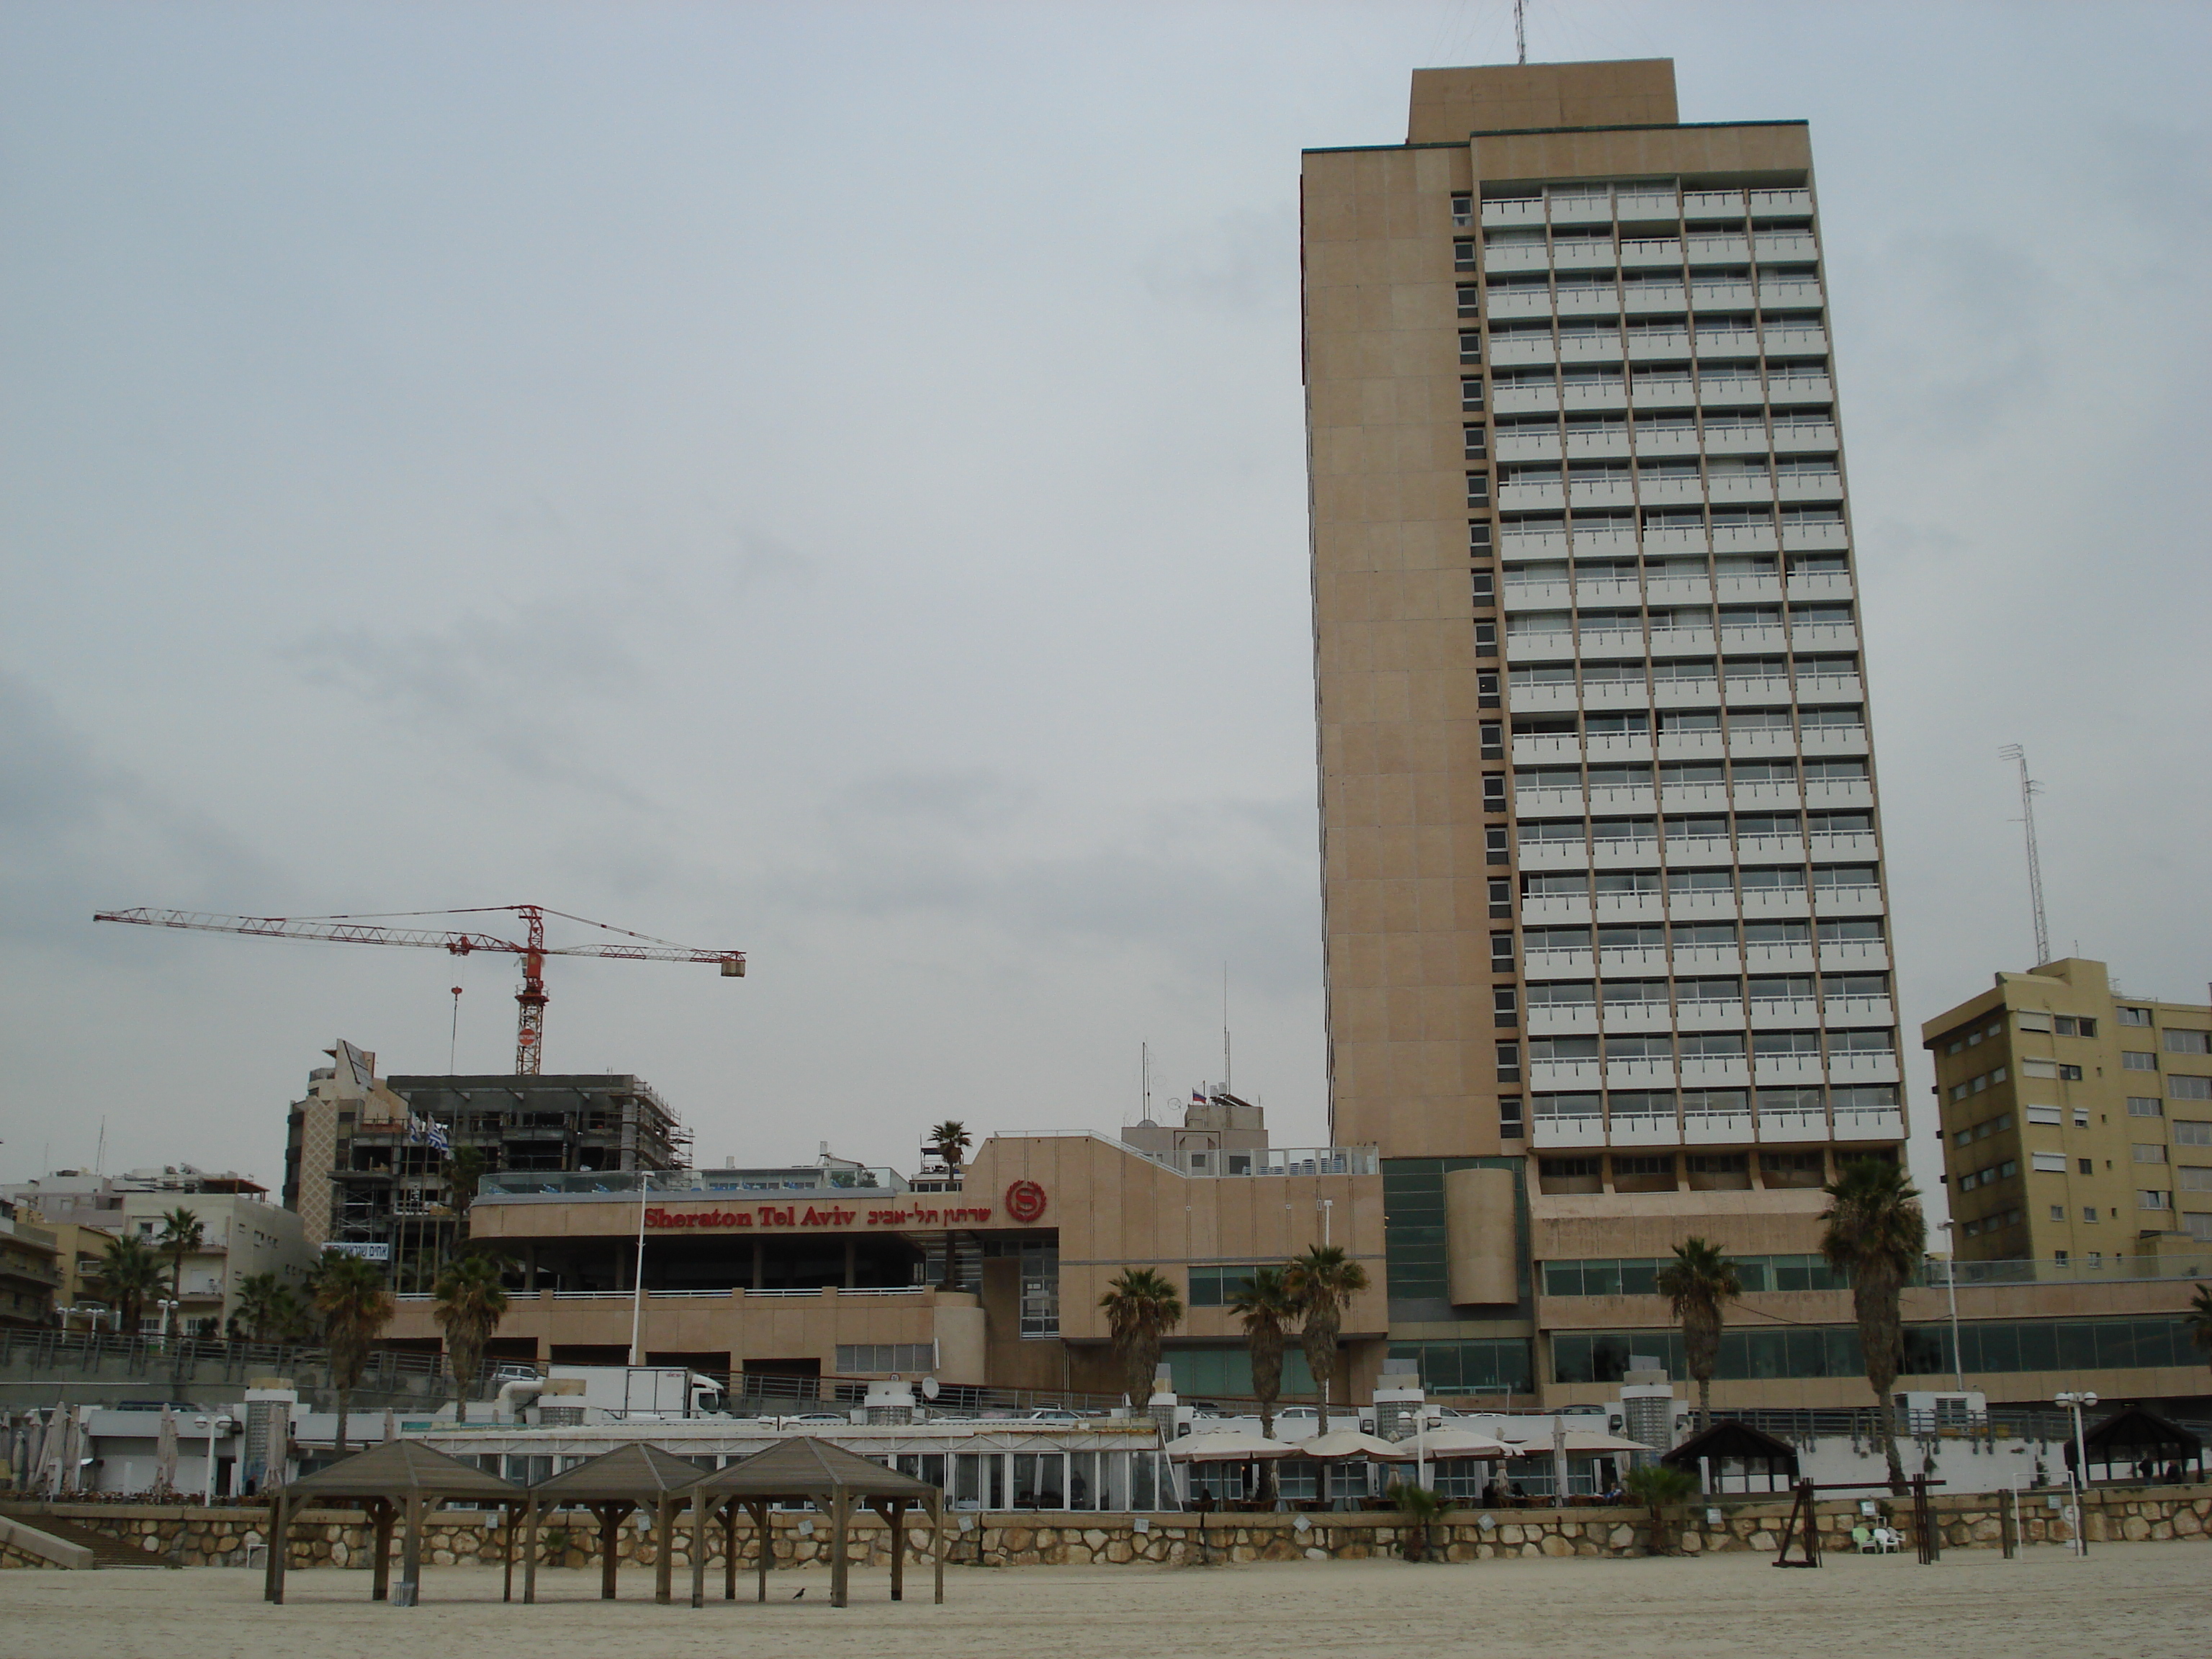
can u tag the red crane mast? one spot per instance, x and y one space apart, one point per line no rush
532 949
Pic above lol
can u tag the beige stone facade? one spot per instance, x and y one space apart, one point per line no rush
2076 1119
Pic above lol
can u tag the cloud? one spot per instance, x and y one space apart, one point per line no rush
1238 261
77 833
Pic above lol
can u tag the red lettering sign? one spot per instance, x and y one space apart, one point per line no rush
1025 1201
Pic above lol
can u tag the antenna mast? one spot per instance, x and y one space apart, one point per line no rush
1520 31
1226 1074
2029 789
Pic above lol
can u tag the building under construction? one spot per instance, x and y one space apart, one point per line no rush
370 1163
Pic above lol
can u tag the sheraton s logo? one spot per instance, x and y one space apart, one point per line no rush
1025 1201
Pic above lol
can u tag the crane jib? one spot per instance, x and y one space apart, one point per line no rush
531 999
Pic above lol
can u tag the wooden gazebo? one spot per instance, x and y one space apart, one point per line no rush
830 1476
2132 1437
611 1486
400 1477
1729 1441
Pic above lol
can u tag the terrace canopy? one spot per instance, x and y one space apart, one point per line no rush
1731 1442
400 1476
611 1486
2132 1438
1340 1445
806 1469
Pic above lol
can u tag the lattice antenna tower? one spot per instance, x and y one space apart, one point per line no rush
1520 31
2029 789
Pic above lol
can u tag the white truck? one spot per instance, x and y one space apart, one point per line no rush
651 1392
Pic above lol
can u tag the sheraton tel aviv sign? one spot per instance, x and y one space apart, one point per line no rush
1025 1203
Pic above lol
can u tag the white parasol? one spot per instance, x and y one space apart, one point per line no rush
1228 1446
1339 1444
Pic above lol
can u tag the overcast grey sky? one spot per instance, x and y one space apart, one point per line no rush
829 480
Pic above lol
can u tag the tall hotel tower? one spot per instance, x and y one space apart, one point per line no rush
1605 908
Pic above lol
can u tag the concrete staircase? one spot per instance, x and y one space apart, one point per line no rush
103 1551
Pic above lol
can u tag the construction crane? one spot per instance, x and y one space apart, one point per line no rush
530 1024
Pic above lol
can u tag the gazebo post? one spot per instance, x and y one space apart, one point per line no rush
511 1516
664 1563
699 1549
410 1560
761 1543
730 1550
379 1521
272 1589
610 1519
897 1518
937 1547
530 1551
841 1513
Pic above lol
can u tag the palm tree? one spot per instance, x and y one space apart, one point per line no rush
1696 1282
463 1171
128 1273
1423 1509
182 1233
951 1141
349 1294
468 1303
1322 1282
1656 1485
261 1309
1265 1305
1876 1234
1141 1309
2199 1320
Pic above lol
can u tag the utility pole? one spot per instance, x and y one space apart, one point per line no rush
2029 789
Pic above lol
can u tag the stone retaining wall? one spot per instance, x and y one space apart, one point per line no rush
220 1536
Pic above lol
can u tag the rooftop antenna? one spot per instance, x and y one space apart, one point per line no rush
1520 31
2029 789
1226 1073
454 1038
1144 1073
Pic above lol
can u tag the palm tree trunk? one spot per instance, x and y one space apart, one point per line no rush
1705 1404
343 1396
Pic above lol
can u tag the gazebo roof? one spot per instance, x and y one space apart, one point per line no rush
1729 1438
403 1468
2133 1429
804 1467
634 1471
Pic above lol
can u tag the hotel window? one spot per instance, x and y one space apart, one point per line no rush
2147 1153
1478 489
1505 1004
2189 1088
2144 1106
1509 1062
2050 1115
1470 345
1470 393
2048 1162
1509 1117
2150 1200
2069 1026
1217 1285
1462 256
2186 1043
1470 300
1485 689
1462 211
2135 1059
1040 1290
2029 1021
2058 1212
1501 952
1501 898
1474 442
2192 1134
2135 1016
2087 1165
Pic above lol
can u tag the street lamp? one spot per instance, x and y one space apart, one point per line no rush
1951 1285
168 1305
2078 1476
214 1426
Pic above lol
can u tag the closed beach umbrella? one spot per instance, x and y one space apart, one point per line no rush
165 1453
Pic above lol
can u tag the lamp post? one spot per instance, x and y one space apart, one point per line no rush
214 1426
1951 1285
168 1305
2078 1476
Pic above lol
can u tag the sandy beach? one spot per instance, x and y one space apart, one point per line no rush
2127 1602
